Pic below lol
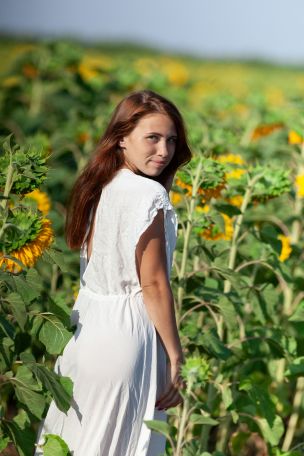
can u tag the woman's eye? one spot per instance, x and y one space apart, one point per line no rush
173 139
152 136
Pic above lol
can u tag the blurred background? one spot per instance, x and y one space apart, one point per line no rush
235 70
268 30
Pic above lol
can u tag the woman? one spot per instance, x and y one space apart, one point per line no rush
125 356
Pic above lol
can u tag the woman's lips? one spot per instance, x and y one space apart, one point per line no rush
159 163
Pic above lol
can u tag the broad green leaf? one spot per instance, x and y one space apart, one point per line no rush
159 426
227 396
21 434
4 441
54 335
6 328
53 256
34 281
18 308
227 209
6 353
227 309
30 287
296 367
228 274
26 388
273 432
36 324
211 342
298 315
200 419
61 388
27 357
55 446
260 398
58 306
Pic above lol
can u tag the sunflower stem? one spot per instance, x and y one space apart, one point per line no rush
189 225
182 425
8 186
293 420
223 430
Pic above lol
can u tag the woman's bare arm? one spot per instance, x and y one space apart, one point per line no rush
157 293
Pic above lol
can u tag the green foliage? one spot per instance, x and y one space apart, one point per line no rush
239 289
29 169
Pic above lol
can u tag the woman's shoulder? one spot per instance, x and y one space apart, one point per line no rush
139 185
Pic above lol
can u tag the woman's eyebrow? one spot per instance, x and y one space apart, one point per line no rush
159 134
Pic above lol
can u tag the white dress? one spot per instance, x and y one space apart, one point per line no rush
115 357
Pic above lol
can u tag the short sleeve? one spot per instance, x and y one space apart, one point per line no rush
147 208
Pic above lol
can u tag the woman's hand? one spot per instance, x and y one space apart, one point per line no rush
171 396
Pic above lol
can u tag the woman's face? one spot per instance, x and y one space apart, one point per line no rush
150 146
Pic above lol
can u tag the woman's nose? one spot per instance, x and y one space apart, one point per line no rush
163 148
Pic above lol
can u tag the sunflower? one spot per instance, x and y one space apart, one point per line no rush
235 159
235 200
235 174
212 232
42 199
209 193
91 66
265 130
176 72
182 184
294 138
75 289
175 197
206 193
30 71
29 253
286 248
300 185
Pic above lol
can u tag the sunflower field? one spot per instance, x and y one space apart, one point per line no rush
238 274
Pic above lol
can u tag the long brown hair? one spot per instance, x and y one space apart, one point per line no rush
107 160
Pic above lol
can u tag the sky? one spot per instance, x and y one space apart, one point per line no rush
271 30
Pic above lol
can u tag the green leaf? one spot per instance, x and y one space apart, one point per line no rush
298 315
61 388
271 433
54 335
6 328
260 397
158 426
20 432
7 347
18 308
4 441
227 309
54 445
227 396
296 367
54 256
27 357
200 419
234 278
227 209
30 287
211 342
25 387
